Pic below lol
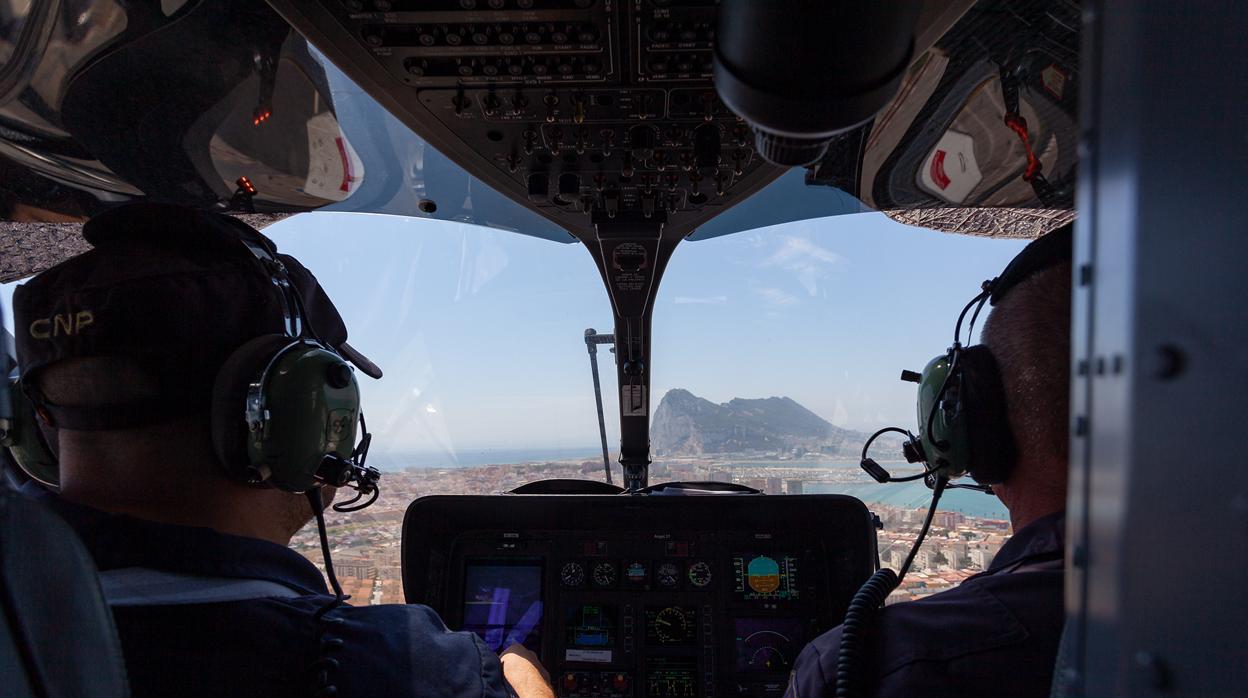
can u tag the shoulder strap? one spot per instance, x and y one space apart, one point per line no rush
141 586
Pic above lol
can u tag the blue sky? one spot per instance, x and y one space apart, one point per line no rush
479 330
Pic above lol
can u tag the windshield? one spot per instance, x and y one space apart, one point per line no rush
776 352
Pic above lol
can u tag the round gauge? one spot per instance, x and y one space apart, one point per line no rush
699 574
671 625
604 574
667 575
572 574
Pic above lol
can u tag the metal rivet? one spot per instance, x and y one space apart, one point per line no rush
1168 362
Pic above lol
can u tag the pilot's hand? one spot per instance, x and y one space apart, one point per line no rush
524 672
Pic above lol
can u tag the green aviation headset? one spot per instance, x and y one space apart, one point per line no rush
285 407
961 408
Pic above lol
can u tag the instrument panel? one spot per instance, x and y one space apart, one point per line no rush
643 596
590 112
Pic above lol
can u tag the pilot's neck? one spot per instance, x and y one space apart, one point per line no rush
1032 493
186 494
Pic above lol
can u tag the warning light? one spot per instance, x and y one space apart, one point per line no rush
245 185
260 115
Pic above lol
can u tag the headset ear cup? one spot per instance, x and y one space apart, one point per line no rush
27 445
991 448
229 401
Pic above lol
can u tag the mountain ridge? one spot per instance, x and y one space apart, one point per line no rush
687 425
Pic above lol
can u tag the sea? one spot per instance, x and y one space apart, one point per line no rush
904 494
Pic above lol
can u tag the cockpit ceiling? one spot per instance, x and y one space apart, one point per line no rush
30 247
544 118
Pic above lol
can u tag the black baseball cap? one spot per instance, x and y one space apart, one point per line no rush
176 290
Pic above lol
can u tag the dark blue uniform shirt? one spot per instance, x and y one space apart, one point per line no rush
272 646
996 634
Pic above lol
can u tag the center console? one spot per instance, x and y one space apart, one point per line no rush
626 596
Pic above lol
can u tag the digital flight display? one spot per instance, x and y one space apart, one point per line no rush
589 632
503 603
768 645
765 577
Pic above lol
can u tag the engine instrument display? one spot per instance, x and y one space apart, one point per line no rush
672 676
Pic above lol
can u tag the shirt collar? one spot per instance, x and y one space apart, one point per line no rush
1044 537
116 541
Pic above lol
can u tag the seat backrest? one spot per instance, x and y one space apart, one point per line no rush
56 632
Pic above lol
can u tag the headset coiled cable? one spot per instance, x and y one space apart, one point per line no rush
866 605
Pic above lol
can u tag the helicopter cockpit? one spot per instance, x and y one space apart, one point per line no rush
649 557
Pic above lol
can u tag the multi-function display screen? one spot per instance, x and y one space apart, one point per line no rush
503 603
765 577
590 632
768 645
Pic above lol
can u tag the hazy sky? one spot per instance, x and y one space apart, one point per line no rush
480 331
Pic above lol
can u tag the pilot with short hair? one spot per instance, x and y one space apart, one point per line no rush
122 345
997 633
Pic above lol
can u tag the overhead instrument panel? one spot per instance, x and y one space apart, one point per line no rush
584 110
626 597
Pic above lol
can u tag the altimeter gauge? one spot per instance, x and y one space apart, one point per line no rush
604 574
572 574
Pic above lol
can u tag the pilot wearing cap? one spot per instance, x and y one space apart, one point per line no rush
122 350
997 633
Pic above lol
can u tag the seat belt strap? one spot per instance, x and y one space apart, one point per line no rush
141 586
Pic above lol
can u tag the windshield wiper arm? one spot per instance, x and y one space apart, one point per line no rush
592 340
